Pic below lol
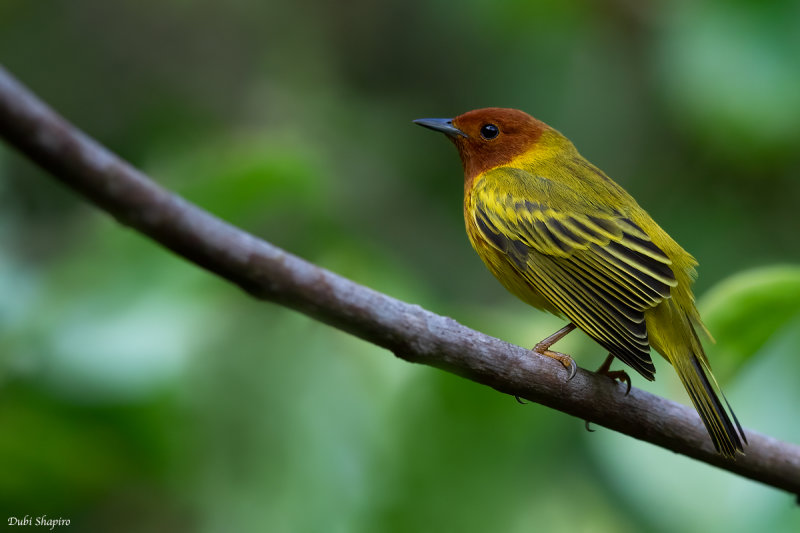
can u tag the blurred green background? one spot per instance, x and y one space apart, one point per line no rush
138 393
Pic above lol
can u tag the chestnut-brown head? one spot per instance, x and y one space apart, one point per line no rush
489 137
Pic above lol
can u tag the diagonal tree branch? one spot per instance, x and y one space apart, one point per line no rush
410 332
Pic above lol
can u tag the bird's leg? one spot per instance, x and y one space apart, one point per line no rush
621 375
543 348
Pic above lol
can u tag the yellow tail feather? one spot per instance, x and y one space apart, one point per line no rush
673 336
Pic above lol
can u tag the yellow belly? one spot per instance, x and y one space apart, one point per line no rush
505 270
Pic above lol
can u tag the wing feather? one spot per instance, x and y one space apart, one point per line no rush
598 267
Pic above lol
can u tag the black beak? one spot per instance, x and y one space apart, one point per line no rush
444 125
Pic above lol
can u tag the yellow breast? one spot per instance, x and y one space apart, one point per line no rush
511 275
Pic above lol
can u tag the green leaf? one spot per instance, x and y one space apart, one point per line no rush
744 311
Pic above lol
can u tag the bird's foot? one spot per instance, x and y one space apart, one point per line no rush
543 348
568 362
616 375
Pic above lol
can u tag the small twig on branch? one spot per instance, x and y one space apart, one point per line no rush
409 331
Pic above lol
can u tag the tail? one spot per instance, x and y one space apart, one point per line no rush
726 434
683 349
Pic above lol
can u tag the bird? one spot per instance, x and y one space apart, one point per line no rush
560 235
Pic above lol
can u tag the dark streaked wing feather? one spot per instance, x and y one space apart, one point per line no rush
600 269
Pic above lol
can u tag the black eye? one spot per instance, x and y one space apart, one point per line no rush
489 131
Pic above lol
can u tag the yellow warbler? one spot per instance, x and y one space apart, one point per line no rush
563 237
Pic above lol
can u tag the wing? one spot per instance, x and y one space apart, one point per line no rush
597 266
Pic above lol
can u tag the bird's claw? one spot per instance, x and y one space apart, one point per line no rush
586 425
622 377
616 375
573 369
543 348
520 400
568 362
